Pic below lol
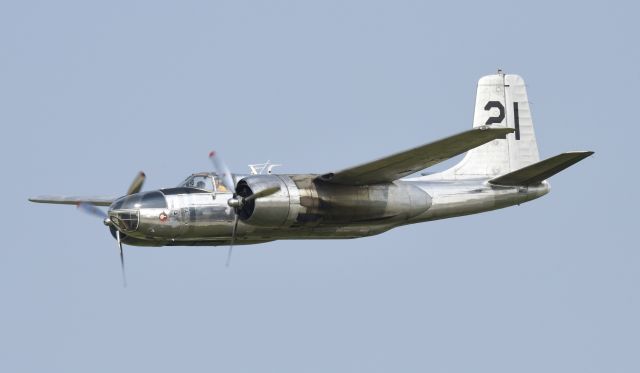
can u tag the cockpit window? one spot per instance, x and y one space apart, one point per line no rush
220 185
204 182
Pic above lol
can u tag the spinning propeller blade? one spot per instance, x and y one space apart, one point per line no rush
235 202
233 239
137 183
124 276
223 170
92 210
263 193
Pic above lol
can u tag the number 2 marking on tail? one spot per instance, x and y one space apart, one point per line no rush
494 104
500 117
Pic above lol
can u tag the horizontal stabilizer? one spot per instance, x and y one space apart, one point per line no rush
97 200
540 171
413 160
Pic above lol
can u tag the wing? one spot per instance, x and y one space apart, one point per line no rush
537 172
413 160
73 200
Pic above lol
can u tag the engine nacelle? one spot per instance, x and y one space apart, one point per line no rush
268 211
303 200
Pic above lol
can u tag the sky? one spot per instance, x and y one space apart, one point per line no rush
93 92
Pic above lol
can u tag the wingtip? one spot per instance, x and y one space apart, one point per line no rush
583 153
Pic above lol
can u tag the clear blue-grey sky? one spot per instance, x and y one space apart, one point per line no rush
92 92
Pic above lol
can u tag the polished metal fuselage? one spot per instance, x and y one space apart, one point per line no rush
308 208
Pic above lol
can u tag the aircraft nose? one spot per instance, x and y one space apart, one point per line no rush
125 220
124 213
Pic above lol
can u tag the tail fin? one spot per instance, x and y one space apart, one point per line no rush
501 101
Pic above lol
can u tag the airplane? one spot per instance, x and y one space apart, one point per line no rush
501 168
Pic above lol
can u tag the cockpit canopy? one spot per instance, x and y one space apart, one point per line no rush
197 183
206 181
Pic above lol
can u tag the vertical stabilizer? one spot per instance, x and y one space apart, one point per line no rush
501 101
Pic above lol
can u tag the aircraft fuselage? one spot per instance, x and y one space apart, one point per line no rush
304 208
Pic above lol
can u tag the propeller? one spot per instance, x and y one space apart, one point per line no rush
137 183
124 275
135 187
236 202
92 210
233 238
223 171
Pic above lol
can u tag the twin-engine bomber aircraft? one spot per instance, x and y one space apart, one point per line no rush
501 168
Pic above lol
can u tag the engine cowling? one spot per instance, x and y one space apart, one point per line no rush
269 211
